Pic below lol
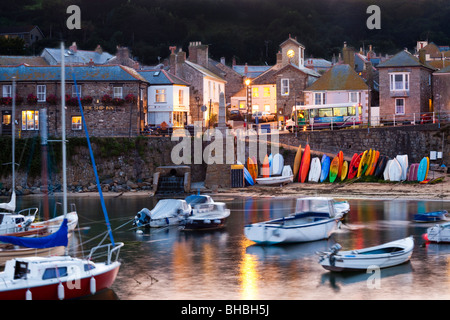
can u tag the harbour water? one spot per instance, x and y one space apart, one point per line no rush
171 264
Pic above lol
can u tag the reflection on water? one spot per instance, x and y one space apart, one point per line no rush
170 263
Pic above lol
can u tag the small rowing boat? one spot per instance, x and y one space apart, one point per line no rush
382 256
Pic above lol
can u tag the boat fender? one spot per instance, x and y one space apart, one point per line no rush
92 285
60 291
167 220
28 295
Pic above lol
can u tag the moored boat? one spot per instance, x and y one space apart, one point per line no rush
438 233
434 216
207 216
315 218
382 256
167 212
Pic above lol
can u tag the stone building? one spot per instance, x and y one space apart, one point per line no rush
441 91
289 76
206 83
405 84
114 99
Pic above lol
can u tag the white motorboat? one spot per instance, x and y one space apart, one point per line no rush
315 218
287 176
167 212
207 216
438 233
382 256
57 277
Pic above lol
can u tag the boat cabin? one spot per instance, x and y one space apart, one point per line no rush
41 268
315 205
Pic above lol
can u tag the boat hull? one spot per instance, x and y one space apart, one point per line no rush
360 261
440 233
204 224
270 233
164 222
275 180
72 288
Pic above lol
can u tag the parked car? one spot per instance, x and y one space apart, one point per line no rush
236 115
263 116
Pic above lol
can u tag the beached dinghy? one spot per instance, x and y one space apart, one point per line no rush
438 233
286 177
314 219
386 255
167 212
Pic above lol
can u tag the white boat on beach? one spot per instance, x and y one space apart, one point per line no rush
382 256
167 212
315 218
438 233
287 176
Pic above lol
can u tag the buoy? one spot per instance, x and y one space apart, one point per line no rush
60 291
28 295
93 285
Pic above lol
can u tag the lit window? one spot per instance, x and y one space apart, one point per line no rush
76 123
284 87
30 120
118 92
267 107
266 92
255 92
399 106
41 93
160 95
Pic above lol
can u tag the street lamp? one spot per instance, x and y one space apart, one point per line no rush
249 101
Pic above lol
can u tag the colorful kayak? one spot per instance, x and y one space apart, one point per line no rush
334 169
353 167
422 171
326 161
297 160
344 170
304 167
266 167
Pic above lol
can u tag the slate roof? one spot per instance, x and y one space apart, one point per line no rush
445 70
403 59
205 71
253 71
161 77
78 57
340 77
16 60
82 73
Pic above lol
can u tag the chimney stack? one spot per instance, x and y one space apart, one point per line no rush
198 53
422 56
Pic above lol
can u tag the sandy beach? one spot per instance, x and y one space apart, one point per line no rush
344 190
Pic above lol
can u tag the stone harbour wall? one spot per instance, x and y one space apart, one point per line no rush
415 141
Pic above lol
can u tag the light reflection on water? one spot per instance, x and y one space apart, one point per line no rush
223 264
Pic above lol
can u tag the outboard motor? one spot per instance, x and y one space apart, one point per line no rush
142 218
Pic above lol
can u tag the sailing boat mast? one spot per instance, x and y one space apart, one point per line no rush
13 136
63 129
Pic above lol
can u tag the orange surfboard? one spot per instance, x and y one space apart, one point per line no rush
297 160
251 166
304 167
266 167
